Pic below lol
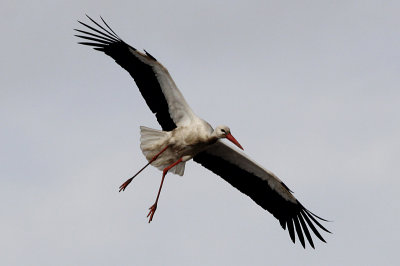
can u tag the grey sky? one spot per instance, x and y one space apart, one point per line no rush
309 88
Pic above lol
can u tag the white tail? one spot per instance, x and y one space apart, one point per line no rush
152 141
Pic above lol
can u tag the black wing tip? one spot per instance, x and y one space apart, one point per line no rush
301 223
314 217
103 35
299 232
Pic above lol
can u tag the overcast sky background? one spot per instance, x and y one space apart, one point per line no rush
309 88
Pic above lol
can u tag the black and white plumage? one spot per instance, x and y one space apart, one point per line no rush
177 119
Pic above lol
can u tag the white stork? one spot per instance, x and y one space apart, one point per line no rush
185 136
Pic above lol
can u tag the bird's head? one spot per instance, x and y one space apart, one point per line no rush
225 132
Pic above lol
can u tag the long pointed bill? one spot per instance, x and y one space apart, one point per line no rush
233 140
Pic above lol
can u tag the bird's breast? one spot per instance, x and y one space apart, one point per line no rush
190 140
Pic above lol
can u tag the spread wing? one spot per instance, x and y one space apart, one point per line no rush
264 188
152 78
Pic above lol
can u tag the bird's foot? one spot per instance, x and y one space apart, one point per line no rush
125 184
152 209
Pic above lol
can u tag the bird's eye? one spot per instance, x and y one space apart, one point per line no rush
223 130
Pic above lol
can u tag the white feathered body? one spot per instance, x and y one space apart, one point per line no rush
183 142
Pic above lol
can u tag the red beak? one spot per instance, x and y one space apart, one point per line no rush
233 140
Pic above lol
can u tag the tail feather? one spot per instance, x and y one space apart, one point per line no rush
152 141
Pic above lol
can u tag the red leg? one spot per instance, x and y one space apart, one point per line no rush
126 183
154 206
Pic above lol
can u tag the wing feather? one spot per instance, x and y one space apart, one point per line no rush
152 78
305 229
263 187
299 231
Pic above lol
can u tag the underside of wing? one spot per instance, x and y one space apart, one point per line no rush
153 80
264 188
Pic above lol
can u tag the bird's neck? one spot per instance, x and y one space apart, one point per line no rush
213 137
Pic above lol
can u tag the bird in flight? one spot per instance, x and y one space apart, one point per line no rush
185 136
